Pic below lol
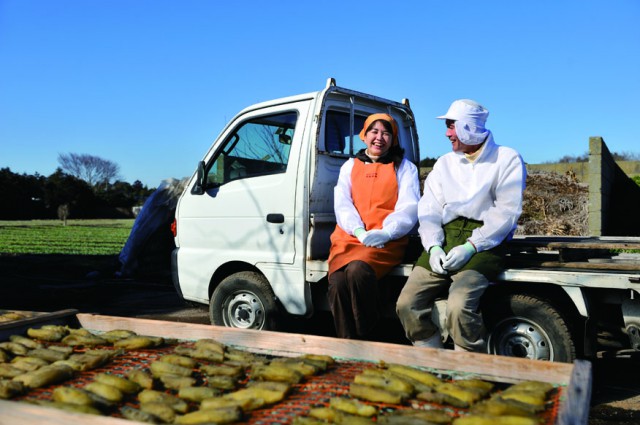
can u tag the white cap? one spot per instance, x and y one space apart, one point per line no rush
469 117
467 110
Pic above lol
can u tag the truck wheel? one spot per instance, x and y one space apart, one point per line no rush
528 327
244 300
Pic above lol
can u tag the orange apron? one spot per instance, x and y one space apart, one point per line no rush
374 190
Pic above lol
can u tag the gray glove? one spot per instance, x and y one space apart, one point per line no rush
459 256
376 238
360 233
436 257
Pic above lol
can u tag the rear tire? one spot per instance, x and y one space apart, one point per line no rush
528 327
244 300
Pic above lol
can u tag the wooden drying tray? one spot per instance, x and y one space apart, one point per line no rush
576 377
33 317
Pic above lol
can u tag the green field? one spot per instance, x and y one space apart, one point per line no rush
78 237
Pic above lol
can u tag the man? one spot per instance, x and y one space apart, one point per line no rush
471 204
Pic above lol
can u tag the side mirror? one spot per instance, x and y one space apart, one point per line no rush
198 188
283 137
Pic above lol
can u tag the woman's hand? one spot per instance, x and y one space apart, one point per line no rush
376 238
360 233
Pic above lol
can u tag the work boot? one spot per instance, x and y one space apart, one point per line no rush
434 341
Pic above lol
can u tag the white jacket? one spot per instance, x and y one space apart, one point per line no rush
400 222
490 189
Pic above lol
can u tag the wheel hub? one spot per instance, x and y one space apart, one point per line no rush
518 337
245 311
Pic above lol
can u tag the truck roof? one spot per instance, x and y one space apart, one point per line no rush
329 88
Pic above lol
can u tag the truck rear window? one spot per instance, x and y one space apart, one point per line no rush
337 133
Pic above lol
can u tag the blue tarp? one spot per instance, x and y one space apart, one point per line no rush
158 211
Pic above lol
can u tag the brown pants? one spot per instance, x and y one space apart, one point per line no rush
353 298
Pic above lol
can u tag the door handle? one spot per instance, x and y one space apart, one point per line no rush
275 218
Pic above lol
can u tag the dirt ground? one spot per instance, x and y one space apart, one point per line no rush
50 283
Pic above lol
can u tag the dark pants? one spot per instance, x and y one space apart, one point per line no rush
353 298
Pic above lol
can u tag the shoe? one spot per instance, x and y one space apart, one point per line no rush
434 341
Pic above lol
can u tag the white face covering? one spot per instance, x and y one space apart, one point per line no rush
469 134
469 117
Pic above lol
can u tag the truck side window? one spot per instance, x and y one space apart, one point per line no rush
258 147
337 132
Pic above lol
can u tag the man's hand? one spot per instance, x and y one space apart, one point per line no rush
376 238
459 256
436 257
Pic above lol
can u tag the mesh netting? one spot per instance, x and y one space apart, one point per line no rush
314 391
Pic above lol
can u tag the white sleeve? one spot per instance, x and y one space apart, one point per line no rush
501 219
405 214
347 216
431 211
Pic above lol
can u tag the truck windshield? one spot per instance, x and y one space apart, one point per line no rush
257 147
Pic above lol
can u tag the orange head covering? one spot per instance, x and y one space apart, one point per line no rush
385 117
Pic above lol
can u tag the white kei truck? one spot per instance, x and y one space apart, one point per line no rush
252 232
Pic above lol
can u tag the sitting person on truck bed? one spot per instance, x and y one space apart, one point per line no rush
471 204
376 206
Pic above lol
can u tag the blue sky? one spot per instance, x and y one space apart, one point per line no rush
149 84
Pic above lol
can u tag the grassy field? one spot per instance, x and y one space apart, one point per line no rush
78 237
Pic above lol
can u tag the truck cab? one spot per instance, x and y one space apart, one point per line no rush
254 221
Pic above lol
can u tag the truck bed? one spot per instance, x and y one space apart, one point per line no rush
575 252
565 260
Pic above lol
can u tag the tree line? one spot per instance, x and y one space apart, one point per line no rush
87 186
83 186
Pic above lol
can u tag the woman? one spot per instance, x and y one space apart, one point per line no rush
375 203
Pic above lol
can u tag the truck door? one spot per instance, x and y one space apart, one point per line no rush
245 210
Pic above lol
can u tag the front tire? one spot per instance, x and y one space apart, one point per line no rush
244 300
528 327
